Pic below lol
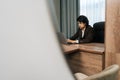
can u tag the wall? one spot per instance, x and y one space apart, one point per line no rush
112 40
29 49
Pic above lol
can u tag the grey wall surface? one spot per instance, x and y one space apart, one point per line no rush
57 9
29 48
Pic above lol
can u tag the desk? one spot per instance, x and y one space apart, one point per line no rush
70 48
86 58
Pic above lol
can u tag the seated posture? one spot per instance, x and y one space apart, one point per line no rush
84 33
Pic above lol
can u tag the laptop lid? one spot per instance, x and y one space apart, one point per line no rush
62 38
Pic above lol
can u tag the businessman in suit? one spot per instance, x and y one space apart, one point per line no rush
84 33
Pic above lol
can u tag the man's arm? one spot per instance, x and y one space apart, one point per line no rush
72 39
75 35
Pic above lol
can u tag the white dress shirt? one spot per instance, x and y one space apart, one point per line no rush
83 31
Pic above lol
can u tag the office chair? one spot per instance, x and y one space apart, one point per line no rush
109 73
99 32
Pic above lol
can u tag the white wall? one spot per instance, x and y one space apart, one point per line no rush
29 49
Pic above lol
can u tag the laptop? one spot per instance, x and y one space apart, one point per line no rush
62 38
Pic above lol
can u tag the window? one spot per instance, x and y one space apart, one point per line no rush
93 9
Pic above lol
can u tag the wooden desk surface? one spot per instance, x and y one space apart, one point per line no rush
85 58
70 48
89 47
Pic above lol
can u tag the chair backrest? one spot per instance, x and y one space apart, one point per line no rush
99 32
109 73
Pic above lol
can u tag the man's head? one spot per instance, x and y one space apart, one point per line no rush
82 21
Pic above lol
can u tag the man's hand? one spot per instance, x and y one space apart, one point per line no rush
71 41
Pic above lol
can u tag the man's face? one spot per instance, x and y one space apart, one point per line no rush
81 25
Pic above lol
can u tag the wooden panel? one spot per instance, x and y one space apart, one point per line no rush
90 63
118 58
118 62
97 48
85 58
87 63
70 48
93 49
74 60
112 33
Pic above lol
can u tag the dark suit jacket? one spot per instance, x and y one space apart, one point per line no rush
88 35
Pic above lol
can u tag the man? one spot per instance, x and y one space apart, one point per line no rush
84 32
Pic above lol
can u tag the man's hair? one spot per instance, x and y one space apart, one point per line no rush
83 19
